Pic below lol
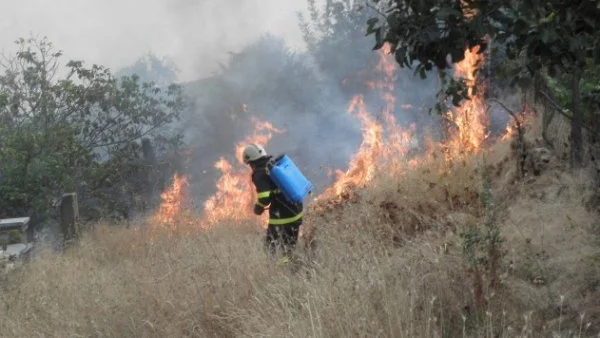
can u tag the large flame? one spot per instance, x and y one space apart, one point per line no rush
470 119
361 169
235 193
173 200
398 139
384 143
385 146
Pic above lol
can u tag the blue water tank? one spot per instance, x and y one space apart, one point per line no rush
290 180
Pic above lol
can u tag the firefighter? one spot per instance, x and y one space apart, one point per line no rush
285 218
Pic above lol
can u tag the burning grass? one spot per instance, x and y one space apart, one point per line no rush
387 262
418 195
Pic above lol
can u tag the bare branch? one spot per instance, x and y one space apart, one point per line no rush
514 115
508 110
560 109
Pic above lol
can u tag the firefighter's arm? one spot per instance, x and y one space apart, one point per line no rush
263 194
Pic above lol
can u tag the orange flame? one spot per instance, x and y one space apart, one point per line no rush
470 118
235 193
382 145
362 166
509 133
385 146
172 201
511 127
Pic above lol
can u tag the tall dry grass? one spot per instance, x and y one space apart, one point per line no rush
387 262
119 282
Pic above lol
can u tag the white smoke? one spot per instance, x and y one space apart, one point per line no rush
196 34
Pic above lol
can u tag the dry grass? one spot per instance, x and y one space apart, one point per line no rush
119 283
387 262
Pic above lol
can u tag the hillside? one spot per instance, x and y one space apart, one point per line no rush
386 260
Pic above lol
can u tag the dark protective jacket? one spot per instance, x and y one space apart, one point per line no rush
280 210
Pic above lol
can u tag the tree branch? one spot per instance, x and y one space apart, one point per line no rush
560 109
508 110
513 115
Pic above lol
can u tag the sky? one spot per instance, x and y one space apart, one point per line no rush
195 34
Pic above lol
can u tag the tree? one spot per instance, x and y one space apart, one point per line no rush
334 32
150 68
62 133
546 37
332 29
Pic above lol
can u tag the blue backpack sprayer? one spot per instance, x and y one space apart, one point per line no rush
289 179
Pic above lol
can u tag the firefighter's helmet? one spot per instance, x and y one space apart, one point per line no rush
253 152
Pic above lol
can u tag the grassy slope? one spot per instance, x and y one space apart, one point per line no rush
385 262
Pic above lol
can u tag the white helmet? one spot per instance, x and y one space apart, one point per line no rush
253 152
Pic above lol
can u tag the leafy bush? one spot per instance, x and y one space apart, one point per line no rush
78 132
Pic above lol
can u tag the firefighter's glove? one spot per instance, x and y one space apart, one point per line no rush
258 210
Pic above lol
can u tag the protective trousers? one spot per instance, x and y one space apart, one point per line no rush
282 238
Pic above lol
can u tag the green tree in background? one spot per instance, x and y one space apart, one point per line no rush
150 68
74 128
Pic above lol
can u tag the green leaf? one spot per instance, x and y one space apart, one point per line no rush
596 53
400 56
372 21
456 100
547 35
378 39
445 12
549 18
